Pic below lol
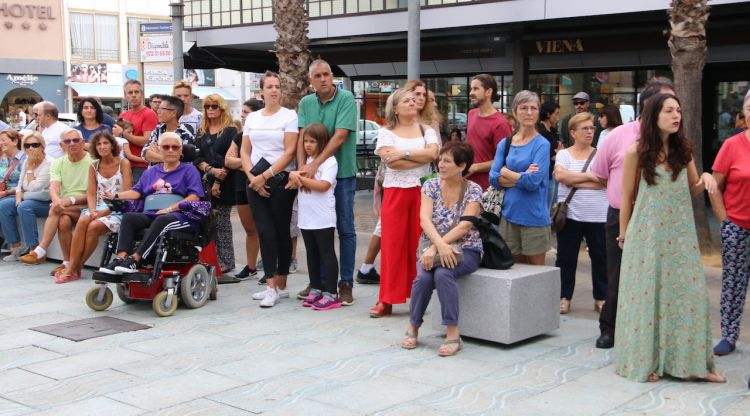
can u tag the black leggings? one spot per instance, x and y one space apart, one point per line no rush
272 217
320 250
133 222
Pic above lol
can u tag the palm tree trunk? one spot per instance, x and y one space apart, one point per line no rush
290 22
687 44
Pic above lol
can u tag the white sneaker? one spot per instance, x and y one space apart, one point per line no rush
270 300
15 253
283 293
262 294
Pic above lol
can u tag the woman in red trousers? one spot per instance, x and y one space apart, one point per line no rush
407 147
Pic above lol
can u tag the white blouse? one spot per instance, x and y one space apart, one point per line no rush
405 178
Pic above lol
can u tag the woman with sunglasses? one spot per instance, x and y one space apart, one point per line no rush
10 143
163 187
215 136
109 172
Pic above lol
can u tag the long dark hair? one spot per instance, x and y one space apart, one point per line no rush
95 104
680 149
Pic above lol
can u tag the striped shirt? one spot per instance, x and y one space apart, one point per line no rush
587 205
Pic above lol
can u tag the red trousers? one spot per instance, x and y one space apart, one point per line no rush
399 219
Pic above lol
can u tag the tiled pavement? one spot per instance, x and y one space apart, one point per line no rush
233 358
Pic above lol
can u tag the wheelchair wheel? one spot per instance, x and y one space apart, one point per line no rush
195 286
122 293
93 303
159 304
214 292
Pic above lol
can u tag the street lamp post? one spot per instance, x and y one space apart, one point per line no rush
177 13
413 57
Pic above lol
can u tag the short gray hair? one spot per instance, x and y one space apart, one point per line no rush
68 131
316 63
524 96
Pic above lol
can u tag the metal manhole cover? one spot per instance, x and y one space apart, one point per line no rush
90 328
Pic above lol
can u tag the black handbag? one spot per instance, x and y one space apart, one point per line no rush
497 254
560 210
272 182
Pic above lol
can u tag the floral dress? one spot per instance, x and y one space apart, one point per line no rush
444 216
113 185
663 324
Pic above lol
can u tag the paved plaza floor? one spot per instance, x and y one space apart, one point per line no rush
233 358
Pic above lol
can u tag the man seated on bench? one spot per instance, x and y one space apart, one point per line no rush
68 182
163 186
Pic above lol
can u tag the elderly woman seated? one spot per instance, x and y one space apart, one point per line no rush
450 246
163 187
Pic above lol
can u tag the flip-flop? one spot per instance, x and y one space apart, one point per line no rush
65 279
409 338
450 342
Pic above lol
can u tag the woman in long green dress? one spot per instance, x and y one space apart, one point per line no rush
663 324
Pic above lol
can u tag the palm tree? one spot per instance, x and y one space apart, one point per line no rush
290 22
687 44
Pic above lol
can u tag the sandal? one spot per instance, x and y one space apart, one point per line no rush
564 306
65 278
60 267
710 378
410 342
380 310
458 342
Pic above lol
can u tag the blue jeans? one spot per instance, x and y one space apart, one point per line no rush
28 210
344 194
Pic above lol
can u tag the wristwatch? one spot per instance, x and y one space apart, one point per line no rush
72 200
407 155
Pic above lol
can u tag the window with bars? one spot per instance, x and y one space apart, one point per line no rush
94 37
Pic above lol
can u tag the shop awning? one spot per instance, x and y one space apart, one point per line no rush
98 90
199 91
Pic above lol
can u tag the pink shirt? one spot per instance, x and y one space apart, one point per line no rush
608 163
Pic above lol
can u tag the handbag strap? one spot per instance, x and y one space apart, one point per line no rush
459 205
433 164
11 168
585 167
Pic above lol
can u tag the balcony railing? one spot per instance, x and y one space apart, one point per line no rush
96 54
220 13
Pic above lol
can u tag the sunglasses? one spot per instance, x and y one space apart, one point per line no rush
577 103
211 106
172 147
71 141
30 145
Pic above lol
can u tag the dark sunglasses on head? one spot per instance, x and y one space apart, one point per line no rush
71 141
211 106
30 145
167 147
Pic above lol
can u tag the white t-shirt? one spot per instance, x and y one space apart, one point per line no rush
52 139
266 134
317 210
587 205
122 142
408 178
193 120
21 120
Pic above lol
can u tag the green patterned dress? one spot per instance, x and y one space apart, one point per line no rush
663 324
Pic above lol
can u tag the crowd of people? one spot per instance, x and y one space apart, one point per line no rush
622 189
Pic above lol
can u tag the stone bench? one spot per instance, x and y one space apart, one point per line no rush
54 252
506 306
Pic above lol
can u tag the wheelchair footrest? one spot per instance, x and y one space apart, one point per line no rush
137 277
106 277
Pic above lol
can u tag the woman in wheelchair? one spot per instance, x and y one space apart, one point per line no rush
163 187
111 173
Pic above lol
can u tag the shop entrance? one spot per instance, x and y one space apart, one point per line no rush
18 102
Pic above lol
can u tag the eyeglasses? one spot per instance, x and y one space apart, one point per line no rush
30 145
71 141
527 108
211 106
160 109
577 103
587 128
172 147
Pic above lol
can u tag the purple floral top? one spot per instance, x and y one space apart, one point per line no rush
443 216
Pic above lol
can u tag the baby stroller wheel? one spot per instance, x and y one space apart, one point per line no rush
96 304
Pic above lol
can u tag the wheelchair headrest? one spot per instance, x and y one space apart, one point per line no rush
189 153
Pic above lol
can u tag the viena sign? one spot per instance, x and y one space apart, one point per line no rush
23 80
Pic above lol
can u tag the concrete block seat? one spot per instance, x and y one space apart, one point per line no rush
506 306
55 253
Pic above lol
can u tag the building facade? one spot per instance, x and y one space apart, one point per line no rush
556 48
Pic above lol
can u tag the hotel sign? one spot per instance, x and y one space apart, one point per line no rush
18 11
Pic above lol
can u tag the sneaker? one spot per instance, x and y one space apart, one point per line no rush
110 268
261 295
128 265
15 253
724 347
345 294
313 297
326 302
246 273
293 266
370 278
270 299
283 293
259 264
304 292
32 258
262 280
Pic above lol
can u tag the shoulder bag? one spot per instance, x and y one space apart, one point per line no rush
497 254
492 198
11 168
457 245
560 211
